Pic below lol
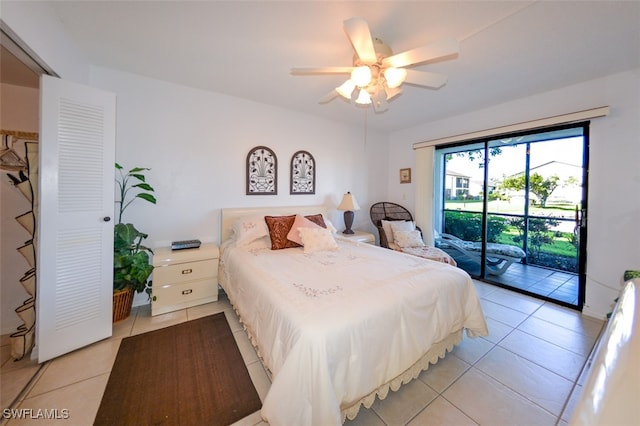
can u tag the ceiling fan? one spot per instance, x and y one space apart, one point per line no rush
377 74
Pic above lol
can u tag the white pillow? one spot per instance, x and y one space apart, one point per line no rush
248 229
317 239
299 223
400 225
408 238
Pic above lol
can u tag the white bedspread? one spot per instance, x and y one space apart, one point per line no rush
333 326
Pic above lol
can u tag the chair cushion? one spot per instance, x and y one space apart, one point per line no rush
408 238
389 226
496 248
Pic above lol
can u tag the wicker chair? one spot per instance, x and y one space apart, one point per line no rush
391 211
387 211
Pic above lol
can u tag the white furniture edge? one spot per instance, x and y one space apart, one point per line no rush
610 393
360 236
164 256
230 215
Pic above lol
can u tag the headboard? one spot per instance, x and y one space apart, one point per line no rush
230 215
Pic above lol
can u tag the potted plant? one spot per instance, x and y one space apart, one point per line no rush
131 266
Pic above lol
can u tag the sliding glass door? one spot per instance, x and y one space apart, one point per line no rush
511 210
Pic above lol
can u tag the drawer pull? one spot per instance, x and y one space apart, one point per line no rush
187 271
185 292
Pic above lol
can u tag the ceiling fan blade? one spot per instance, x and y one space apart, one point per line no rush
426 79
328 97
436 50
358 32
392 93
320 70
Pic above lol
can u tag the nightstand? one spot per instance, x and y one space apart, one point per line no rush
184 278
360 236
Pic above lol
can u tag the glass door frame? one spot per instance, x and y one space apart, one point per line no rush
483 145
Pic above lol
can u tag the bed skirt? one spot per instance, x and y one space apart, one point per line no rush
437 351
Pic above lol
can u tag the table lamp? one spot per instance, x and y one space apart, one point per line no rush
349 205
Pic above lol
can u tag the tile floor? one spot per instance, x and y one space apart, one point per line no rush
529 370
557 285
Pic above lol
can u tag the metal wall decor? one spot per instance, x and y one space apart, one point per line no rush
303 173
262 171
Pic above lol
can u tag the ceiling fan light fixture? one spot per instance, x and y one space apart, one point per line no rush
395 76
363 97
377 72
361 76
346 89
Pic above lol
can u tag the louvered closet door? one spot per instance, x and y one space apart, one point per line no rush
75 226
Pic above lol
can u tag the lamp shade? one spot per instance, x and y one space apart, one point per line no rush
348 202
363 98
346 89
361 76
395 76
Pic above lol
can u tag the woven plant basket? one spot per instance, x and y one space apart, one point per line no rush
122 301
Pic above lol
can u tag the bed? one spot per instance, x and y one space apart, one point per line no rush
337 327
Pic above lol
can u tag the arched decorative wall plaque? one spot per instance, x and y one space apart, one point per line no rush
262 171
303 173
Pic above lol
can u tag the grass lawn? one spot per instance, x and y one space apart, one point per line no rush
561 245
566 211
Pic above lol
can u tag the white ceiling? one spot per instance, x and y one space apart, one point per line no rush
509 49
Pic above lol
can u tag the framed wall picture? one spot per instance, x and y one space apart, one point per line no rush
303 173
262 171
405 175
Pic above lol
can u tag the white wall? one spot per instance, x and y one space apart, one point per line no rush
614 175
196 143
19 112
41 31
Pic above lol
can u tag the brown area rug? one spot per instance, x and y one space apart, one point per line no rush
188 374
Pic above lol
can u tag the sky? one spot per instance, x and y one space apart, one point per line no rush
512 158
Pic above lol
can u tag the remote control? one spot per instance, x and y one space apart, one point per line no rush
185 244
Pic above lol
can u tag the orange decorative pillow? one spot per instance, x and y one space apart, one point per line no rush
279 227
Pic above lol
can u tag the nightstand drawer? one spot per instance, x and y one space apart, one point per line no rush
184 278
176 294
183 272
